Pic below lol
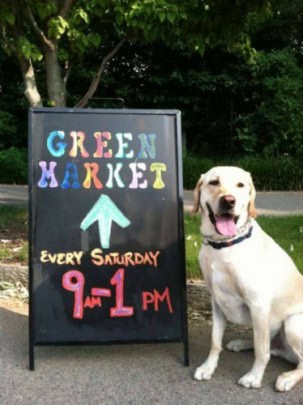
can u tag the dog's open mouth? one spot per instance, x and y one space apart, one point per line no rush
225 224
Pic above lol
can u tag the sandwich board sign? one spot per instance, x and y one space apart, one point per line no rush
106 227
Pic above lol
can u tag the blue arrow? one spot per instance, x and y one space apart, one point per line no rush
105 212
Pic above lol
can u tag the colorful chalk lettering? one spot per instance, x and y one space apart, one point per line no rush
111 175
71 174
74 281
114 174
92 302
127 259
78 143
103 144
124 145
138 175
58 149
99 175
119 309
148 147
48 174
103 141
104 211
154 298
69 258
91 174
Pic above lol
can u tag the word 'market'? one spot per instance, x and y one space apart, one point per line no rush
92 174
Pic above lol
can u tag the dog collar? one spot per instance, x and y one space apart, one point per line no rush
244 233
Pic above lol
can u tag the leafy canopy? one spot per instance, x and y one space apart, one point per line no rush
81 26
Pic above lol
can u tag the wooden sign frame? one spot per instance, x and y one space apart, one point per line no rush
106 238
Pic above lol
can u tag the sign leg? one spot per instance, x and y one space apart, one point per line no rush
185 330
31 357
186 353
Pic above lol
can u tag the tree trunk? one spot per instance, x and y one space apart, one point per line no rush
55 83
31 91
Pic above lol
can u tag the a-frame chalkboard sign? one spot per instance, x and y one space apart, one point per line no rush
106 227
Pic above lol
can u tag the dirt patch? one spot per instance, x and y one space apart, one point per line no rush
14 305
14 231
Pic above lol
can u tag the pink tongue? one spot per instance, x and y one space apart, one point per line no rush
226 226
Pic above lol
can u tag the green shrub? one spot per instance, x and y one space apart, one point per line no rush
13 166
8 128
193 167
271 174
283 173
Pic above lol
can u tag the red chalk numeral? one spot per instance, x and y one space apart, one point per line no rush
73 281
120 310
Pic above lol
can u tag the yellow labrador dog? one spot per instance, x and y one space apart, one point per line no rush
250 278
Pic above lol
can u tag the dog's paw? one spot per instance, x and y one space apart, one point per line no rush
250 380
239 344
286 381
204 372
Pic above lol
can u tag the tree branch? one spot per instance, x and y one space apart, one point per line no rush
67 73
65 9
96 80
38 30
30 85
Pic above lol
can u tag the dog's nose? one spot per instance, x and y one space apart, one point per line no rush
227 202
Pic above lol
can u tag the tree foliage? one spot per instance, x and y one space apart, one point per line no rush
274 91
228 106
51 36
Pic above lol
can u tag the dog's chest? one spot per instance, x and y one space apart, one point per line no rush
227 293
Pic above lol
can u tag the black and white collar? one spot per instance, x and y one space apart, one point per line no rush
244 233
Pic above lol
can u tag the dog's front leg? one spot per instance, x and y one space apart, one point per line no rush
260 321
206 370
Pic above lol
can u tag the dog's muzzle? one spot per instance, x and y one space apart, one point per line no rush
225 222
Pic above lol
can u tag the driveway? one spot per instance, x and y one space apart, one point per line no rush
128 374
268 203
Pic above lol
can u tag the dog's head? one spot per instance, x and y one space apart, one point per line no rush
226 198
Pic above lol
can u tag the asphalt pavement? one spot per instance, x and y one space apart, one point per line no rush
128 374
268 203
13 195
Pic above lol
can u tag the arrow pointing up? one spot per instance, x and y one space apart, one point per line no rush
105 212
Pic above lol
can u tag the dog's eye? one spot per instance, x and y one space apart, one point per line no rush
240 185
214 182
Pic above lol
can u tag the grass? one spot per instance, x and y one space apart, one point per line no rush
193 240
13 235
286 231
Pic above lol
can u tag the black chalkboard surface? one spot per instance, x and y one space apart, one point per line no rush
106 227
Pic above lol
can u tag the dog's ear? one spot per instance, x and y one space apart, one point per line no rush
251 206
197 192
